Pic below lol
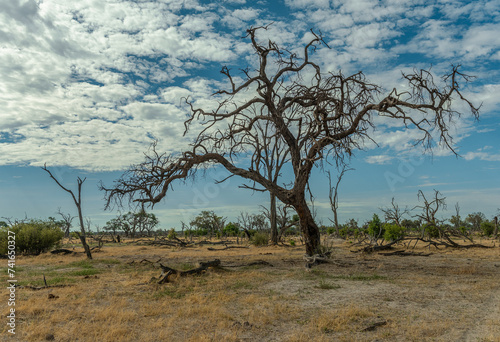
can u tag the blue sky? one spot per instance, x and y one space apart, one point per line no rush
86 86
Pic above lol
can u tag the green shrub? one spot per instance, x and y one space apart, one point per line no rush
464 230
375 227
33 237
330 230
344 232
292 242
432 231
487 227
393 232
260 239
171 234
231 229
252 232
201 232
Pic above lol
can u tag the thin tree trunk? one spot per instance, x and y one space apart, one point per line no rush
336 222
82 235
495 233
274 223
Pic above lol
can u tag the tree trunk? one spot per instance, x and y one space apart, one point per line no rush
82 235
495 233
336 221
274 224
308 227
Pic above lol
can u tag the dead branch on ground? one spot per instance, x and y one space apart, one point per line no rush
227 247
203 266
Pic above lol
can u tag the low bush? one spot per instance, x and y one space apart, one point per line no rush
260 239
33 237
346 232
375 227
393 232
331 230
231 229
171 234
487 227
432 231
464 230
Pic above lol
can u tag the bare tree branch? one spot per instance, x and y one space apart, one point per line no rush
315 116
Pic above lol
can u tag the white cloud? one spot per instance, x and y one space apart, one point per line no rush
482 156
308 3
68 69
379 159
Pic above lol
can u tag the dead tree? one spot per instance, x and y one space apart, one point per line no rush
429 209
334 195
271 154
316 115
78 203
395 213
67 219
283 219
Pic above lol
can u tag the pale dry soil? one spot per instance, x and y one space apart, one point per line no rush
451 295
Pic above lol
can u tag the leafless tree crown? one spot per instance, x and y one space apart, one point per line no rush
287 99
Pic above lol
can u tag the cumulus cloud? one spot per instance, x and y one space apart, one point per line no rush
379 159
82 83
482 156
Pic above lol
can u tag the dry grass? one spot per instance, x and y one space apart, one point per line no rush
437 298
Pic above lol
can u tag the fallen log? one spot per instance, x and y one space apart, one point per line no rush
253 263
404 253
61 251
168 271
227 247
36 288
206 242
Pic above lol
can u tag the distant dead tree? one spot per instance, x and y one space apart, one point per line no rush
67 219
429 209
252 222
395 213
78 203
334 195
283 219
317 115
269 157
456 220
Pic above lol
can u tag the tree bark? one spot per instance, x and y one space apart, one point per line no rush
274 223
495 233
310 230
82 227
336 222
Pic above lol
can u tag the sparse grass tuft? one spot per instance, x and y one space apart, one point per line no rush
359 277
81 264
327 286
348 318
84 272
109 261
